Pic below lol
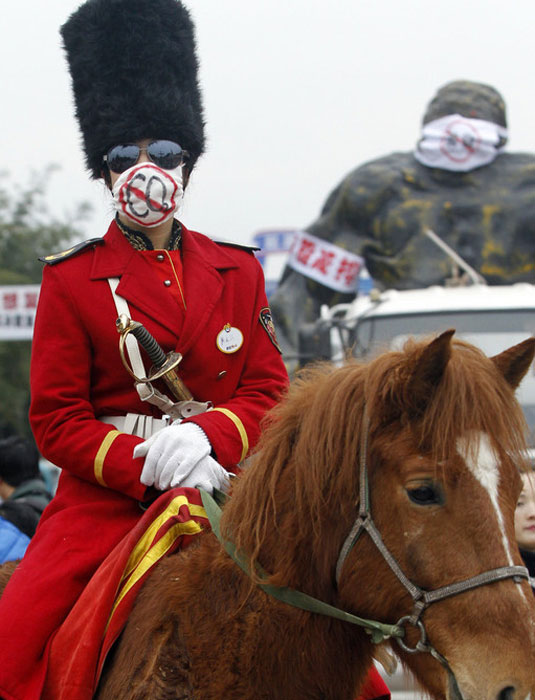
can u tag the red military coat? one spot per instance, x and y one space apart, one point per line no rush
77 376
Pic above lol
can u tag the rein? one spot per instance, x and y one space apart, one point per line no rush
364 523
377 630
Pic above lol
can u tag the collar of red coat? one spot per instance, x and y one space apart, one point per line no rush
115 257
203 262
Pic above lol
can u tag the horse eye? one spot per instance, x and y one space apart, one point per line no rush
426 495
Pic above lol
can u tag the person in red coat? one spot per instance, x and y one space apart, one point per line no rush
141 119
121 444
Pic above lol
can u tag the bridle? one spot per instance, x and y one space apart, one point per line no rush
421 599
379 631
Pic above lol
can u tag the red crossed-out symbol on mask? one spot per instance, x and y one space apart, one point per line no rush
137 193
460 141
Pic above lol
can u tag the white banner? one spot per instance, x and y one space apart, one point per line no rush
18 304
326 263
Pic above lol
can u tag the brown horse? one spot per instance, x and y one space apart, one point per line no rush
442 442
424 446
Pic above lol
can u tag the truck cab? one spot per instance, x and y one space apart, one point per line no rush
491 317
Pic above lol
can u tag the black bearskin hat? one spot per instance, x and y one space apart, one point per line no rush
471 100
134 75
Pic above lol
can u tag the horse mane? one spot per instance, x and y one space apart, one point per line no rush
303 477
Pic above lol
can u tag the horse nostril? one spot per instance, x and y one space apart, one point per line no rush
507 693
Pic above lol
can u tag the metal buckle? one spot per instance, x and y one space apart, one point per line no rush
421 644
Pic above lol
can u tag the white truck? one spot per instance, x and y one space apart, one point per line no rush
491 317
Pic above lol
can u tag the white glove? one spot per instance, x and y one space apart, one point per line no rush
179 455
206 474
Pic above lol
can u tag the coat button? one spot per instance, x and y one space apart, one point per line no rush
167 283
160 257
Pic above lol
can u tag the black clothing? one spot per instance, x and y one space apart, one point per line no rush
529 561
25 506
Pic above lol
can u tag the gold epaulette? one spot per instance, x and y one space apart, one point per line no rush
64 255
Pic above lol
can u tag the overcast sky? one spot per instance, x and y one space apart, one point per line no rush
297 93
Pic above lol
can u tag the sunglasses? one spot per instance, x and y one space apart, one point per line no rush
165 154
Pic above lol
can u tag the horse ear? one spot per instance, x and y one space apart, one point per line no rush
515 362
427 374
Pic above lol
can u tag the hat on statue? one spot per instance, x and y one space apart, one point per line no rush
470 99
134 75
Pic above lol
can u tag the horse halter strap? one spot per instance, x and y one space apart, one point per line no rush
421 598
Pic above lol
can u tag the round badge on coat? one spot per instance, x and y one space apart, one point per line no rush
230 339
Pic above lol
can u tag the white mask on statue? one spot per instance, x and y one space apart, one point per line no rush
147 194
459 144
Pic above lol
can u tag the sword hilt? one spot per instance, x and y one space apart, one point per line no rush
150 345
164 366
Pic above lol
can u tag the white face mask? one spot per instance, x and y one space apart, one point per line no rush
459 144
147 194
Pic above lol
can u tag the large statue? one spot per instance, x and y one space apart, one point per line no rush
458 183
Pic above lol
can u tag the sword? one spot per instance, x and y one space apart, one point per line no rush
163 366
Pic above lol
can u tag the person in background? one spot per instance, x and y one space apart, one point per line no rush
23 495
525 523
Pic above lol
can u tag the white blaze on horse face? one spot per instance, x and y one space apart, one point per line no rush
483 463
